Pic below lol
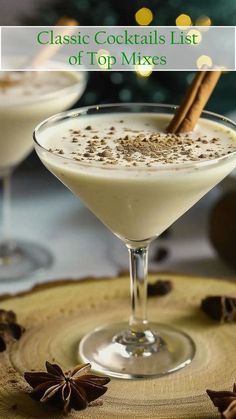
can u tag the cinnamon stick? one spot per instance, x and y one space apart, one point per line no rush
194 102
44 54
6 81
48 51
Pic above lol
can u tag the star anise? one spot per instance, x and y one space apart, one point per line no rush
161 254
220 308
9 329
225 401
160 287
68 390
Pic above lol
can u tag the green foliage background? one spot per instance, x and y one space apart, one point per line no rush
166 87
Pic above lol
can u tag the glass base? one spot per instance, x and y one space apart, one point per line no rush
18 259
115 351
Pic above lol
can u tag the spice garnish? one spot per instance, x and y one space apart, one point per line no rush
161 254
160 287
10 330
67 390
225 401
8 82
220 308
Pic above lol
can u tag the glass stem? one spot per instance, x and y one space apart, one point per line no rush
6 208
138 260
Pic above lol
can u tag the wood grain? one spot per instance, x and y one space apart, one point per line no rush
58 314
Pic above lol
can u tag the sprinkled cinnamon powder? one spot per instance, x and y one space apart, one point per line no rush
124 143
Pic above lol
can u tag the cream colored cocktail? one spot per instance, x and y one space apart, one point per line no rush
138 180
112 164
27 98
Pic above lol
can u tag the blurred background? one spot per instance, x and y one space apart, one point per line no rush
195 244
166 87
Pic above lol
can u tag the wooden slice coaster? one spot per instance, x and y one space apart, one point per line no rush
57 315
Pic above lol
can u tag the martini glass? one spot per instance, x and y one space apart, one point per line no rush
18 117
137 204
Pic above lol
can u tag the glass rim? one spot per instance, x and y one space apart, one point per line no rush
169 167
81 81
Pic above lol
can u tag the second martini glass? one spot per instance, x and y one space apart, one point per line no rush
137 204
23 105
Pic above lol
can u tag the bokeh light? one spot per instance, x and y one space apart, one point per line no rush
125 95
117 77
143 70
183 20
144 16
198 38
103 53
203 21
204 61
